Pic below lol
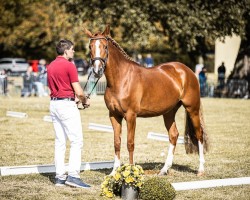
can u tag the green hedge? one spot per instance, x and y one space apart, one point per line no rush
157 188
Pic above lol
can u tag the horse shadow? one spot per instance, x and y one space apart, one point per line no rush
157 166
150 168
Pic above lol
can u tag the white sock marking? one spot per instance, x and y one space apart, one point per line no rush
201 155
170 157
117 164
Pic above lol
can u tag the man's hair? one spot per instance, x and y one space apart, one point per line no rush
63 45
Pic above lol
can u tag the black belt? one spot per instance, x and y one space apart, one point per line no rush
58 98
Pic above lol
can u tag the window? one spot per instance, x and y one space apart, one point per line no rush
5 62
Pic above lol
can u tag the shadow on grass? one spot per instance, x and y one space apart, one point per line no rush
149 168
156 166
50 176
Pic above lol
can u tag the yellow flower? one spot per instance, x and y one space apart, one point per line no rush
129 179
130 174
105 182
117 176
136 173
135 168
139 184
140 168
109 194
128 168
126 173
105 190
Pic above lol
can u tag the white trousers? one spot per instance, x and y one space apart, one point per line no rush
67 124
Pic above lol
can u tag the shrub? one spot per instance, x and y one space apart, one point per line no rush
157 188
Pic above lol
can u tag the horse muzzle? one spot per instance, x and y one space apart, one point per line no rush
99 65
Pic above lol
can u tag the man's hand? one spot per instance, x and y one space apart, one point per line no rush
83 105
86 104
80 96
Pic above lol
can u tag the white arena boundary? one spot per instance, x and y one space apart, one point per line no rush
211 183
47 118
101 127
35 169
163 137
16 114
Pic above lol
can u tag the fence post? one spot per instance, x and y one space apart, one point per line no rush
3 84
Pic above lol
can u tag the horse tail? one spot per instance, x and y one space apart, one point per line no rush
191 142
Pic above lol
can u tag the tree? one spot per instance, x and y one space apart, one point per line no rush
30 28
178 25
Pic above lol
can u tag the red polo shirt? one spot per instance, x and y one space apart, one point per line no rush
61 73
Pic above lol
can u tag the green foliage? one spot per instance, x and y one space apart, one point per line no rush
30 28
180 22
157 188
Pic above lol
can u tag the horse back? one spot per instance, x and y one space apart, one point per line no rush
172 75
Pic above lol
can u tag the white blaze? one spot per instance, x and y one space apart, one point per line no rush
97 54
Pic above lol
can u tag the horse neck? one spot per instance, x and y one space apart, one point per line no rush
117 66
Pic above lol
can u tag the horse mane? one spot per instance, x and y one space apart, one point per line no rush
119 48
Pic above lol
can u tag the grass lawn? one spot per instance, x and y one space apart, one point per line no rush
30 141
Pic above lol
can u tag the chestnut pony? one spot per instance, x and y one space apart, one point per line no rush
134 91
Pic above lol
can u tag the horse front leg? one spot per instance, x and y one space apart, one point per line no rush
116 122
131 124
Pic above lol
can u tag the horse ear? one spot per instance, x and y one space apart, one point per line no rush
107 30
88 32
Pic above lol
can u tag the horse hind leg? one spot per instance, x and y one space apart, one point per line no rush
170 124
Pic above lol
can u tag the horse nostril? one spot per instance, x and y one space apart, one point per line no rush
101 71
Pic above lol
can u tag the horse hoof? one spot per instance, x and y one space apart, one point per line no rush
112 173
162 173
200 173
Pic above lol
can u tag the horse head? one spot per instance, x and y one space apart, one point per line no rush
98 46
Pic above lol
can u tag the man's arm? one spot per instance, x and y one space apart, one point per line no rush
80 94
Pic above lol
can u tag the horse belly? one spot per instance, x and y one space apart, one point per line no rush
157 107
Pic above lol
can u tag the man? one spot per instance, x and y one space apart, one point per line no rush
221 75
203 81
149 62
65 88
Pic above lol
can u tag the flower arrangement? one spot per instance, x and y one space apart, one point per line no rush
132 175
109 187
